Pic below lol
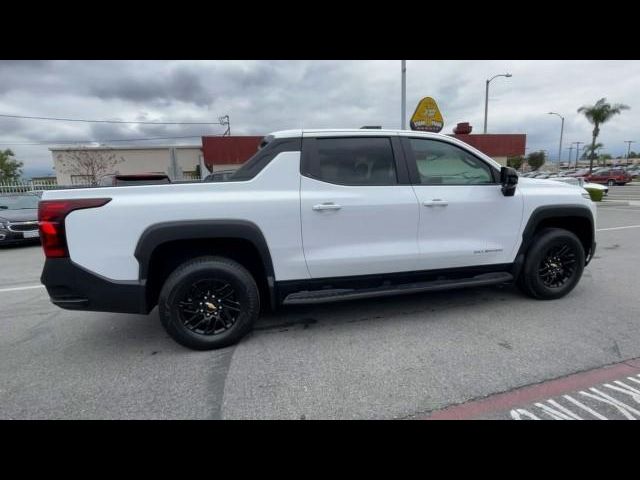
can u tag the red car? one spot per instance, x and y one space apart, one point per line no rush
612 176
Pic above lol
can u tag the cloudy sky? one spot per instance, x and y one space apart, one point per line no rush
264 96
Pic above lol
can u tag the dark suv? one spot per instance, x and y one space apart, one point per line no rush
18 218
612 176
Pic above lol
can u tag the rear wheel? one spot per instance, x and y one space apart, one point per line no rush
553 265
208 303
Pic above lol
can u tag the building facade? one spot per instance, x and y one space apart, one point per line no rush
499 146
72 163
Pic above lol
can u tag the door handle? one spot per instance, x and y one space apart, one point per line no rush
327 206
436 202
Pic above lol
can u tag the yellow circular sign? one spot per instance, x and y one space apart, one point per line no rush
427 117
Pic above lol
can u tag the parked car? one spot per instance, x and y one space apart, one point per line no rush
314 216
19 218
578 173
610 176
118 180
633 171
219 176
595 190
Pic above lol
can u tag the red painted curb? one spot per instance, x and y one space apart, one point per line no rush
533 393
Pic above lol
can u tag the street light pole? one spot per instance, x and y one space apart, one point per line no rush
403 96
561 132
486 97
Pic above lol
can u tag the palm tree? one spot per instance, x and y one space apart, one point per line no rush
598 114
586 153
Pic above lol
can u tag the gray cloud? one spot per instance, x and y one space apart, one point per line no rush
180 85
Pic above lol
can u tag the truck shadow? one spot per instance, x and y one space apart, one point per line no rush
430 303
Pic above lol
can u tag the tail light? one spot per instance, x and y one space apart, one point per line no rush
51 215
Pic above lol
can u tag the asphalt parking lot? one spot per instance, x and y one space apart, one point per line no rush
403 357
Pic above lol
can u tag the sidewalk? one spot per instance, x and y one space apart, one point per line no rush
606 393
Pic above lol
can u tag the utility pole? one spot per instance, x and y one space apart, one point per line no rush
403 96
578 151
628 142
225 121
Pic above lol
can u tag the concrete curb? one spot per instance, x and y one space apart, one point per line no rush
612 203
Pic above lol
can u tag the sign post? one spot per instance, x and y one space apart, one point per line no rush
427 117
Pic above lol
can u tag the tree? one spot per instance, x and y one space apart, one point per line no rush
535 160
515 162
597 115
10 168
586 153
89 163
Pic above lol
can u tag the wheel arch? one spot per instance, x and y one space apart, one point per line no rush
204 237
577 219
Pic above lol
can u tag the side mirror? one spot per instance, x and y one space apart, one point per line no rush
509 180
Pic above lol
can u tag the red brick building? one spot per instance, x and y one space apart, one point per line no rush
498 146
221 153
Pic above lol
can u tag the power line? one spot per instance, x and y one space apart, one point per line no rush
53 142
108 121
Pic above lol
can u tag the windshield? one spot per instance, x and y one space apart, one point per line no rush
18 202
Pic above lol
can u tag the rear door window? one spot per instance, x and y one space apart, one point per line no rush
353 161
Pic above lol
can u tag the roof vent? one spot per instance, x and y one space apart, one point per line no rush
463 129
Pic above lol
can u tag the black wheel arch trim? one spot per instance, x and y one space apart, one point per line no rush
546 212
161 233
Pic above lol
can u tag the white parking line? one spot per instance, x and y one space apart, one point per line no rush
617 228
15 289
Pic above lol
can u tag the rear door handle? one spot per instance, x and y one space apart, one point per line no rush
436 202
327 206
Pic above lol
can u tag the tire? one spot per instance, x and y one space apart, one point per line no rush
611 183
202 321
543 276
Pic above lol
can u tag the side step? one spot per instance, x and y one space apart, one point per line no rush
340 294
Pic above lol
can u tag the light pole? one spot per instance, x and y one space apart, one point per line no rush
403 96
486 97
561 132
628 142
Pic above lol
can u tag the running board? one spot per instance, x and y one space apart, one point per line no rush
340 294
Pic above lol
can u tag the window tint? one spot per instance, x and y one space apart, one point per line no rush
440 163
354 161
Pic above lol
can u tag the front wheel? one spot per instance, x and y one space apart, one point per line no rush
611 183
209 303
553 265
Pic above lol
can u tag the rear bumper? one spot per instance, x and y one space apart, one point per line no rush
73 288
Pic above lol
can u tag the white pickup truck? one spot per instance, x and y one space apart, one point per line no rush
313 216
